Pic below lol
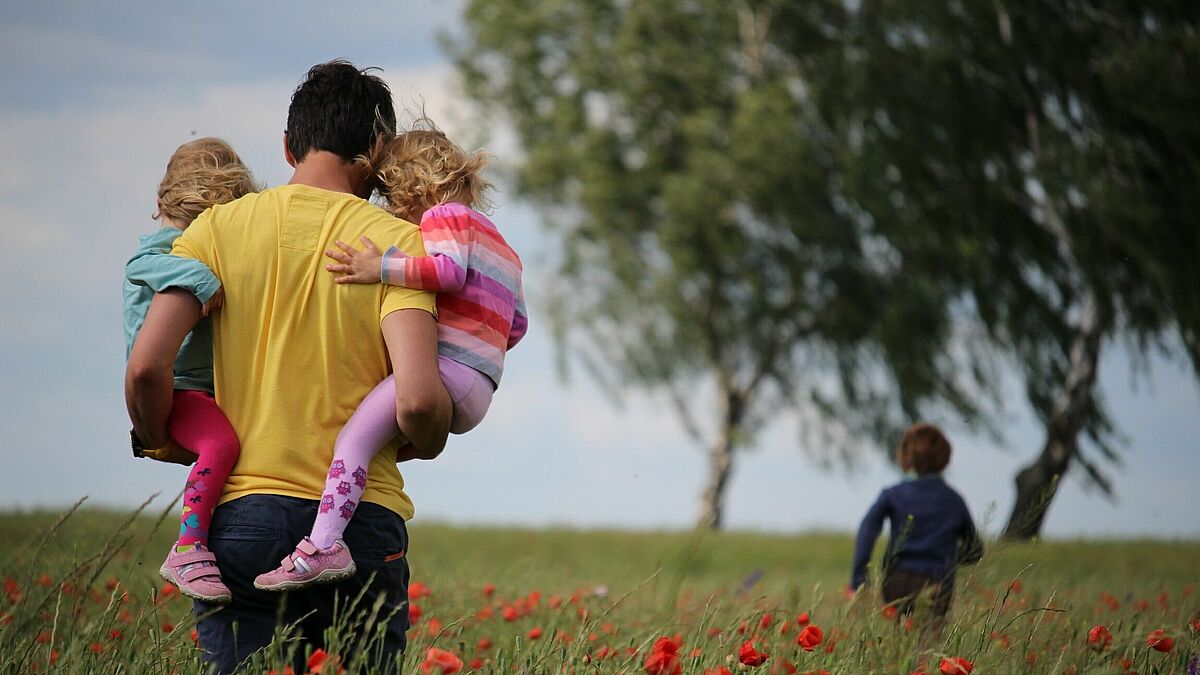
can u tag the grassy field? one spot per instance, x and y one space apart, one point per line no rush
83 596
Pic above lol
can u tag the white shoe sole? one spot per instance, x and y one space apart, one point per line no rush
222 599
325 577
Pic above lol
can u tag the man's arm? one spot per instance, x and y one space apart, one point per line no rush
149 375
423 407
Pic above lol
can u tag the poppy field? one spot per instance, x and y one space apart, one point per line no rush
82 595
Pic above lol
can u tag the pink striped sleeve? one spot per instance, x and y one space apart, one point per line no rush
448 240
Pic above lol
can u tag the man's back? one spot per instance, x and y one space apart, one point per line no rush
294 352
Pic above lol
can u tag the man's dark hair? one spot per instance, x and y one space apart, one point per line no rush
340 109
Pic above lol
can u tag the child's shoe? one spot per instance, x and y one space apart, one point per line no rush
308 565
195 573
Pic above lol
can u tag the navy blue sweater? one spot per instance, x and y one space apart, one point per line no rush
931 530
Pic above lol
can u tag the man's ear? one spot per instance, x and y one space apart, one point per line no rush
287 154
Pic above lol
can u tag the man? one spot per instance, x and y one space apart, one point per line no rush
294 353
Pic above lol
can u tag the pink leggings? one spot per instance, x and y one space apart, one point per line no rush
372 426
196 423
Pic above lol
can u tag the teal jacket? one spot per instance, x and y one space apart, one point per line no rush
152 269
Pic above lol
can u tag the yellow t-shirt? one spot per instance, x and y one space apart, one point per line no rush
294 353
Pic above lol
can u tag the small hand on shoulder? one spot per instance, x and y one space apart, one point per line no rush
357 267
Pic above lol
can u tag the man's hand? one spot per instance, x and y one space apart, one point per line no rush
409 452
357 267
423 407
214 302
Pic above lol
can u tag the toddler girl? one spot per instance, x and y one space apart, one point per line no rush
199 174
481 315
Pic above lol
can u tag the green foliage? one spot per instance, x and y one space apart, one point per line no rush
690 168
857 213
1039 155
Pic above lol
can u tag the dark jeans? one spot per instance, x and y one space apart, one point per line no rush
902 588
250 535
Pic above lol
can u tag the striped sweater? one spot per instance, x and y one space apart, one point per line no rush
477 276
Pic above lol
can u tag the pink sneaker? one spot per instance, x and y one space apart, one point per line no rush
308 565
195 573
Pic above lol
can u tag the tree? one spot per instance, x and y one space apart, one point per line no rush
691 168
1009 130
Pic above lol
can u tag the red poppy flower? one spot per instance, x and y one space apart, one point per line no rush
414 612
810 637
441 661
417 590
509 613
1109 601
1159 642
476 663
663 658
534 633
955 665
749 656
802 619
889 612
489 590
322 662
1099 638
719 670
766 621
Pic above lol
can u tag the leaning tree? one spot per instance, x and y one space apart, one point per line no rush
1052 149
689 166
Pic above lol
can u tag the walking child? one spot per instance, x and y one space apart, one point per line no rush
202 173
931 531
423 177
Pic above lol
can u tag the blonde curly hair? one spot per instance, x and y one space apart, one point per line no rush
199 174
422 168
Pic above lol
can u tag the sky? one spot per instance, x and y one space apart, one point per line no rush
95 99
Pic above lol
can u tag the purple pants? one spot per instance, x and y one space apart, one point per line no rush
372 426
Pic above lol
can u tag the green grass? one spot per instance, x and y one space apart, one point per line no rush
85 589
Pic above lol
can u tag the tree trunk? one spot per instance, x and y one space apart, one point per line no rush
1038 482
720 465
712 500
